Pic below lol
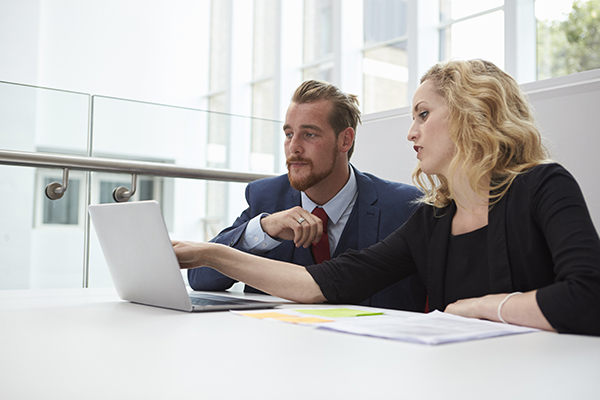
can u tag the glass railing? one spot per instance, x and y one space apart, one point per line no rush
48 243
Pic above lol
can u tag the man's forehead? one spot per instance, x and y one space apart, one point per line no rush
305 126
311 114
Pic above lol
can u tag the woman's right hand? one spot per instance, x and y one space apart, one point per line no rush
189 254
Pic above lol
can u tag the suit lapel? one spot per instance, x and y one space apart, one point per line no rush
298 255
368 215
499 266
294 199
436 261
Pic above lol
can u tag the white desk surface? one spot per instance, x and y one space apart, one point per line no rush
88 344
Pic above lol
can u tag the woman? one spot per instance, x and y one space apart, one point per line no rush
502 233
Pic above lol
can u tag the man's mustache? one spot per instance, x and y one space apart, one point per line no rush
292 159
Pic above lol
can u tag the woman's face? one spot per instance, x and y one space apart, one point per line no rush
429 130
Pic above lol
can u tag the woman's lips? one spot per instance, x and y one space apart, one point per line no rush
418 150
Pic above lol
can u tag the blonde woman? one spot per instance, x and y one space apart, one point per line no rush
501 233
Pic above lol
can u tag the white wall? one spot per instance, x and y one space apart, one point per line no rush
136 49
568 113
19 33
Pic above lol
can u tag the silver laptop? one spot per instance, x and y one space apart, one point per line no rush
142 264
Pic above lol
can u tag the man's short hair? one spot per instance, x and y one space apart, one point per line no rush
344 111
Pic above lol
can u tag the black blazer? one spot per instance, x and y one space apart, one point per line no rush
540 236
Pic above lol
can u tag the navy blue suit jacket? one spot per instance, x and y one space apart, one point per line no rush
381 207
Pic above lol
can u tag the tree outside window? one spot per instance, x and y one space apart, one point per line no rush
572 44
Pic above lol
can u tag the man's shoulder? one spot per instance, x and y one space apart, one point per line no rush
275 190
384 186
280 181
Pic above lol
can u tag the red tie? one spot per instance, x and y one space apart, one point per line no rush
320 250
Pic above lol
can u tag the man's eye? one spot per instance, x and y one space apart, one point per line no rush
288 135
310 135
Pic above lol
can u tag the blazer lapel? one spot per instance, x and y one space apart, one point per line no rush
499 266
296 255
368 215
436 260
294 199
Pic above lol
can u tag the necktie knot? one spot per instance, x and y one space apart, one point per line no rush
320 212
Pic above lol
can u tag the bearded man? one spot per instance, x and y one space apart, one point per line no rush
324 205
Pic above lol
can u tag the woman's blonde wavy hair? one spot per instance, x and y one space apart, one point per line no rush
492 126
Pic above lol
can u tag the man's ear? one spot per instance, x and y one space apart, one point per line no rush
346 139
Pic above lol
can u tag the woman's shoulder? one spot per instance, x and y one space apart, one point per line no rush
541 181
545 169
541 174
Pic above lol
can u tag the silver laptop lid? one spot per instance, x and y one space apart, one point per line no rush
136 245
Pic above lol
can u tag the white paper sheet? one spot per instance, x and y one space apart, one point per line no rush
433 328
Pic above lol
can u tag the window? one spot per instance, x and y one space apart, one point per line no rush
318 40
64 211
472 29
218 124
218 136
568 37
385 57
146 188
220 34
217 149
68 211
265 26
264 143
401 39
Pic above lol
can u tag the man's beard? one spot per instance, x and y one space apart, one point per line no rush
303 184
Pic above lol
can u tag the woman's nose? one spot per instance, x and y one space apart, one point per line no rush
412 133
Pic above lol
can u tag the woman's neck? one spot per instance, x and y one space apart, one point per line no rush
471 205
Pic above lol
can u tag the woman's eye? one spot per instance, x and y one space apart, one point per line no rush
423 114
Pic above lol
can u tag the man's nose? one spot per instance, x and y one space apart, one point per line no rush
295 145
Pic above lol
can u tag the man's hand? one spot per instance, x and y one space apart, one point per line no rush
295 224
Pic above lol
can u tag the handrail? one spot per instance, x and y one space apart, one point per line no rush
99 164
55 190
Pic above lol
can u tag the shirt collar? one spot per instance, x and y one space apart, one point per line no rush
335 207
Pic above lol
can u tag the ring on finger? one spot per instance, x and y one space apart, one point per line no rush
301 220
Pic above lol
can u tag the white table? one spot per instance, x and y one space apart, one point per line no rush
88 344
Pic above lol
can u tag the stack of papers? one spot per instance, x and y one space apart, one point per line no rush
433 328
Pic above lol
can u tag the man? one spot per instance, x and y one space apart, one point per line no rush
361 209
